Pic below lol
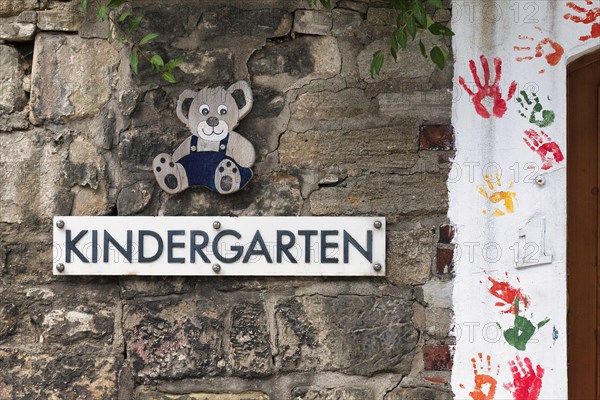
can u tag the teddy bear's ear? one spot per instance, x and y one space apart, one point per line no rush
184 103
242 94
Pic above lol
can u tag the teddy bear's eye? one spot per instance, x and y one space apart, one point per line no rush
222 109
204 109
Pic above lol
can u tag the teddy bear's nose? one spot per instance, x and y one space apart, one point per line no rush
212 121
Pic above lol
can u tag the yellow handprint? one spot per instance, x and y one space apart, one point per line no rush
498 196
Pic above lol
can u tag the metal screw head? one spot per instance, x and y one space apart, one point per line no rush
60 267
216 268
540 180
217 225
377 267
377 224
60 224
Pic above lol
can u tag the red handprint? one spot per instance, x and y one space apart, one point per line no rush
527 383
488 90
545 147
507 294
591 16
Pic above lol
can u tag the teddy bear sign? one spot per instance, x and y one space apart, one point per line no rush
214 155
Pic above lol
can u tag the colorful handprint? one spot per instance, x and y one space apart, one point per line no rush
504 198
545 147
507 295
485 383
527 382
587 16
519 335
532 109
551 50
487 89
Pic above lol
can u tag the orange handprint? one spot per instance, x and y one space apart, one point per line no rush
498 196
485 384
590 16
551 50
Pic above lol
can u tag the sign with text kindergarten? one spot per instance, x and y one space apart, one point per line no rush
251 246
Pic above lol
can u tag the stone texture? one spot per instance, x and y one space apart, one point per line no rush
436 137
231 21
12 95
135 198
309 393
62 19
345 22
359 6
292 63
249 341
324 333
18 29
438 322
246 395
409 65
437 357
438 293
409 257
443 261
433 105
8 319
170 338
421 393
68 82
446 234
209 67
9 8
313 22
57 377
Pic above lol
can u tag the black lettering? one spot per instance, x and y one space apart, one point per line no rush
307 235
142 258
71 246
239 249
174 245
285 248
197 248
367 253
109 239
263 249
325 245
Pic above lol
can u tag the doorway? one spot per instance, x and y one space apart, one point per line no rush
583 170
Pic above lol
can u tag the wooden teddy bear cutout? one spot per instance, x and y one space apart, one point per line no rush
214 155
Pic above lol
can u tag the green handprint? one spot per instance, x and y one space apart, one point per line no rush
533 107
519 335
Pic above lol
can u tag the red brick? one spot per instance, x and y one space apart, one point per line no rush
437 357
446 234
443 261
436 137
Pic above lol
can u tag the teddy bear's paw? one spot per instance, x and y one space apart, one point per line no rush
171 176
227 177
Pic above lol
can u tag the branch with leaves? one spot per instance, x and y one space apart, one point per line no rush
124 29
411 22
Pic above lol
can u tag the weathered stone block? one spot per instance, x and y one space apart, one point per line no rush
358 6
360 335
8 319
432 105
363 194
313 22
436 137
381 16
9 8
12 95
71 77
147 394
208 67
52 377
409 256
421 393
437 357
380 149
250 353
171 338
293 63
63 19
18 29
438 293
438 322
134 198
230 21
345 22
311 393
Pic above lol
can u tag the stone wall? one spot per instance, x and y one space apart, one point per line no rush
77 137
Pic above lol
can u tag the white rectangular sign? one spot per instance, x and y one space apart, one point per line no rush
251 246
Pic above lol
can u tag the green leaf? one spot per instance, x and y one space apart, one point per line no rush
121 38
157 60
312 3
402 37
542 323
326 4
439 29
438 56
394 48
429 21
167 76
84 4
124 16
376 63
419 13
173 63
411 27
135 23
102 13
436 3
400 19
422 47
134 62
148 37
116 3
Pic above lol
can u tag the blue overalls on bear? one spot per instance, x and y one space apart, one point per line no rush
201 166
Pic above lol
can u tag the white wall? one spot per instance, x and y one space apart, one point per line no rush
499 29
